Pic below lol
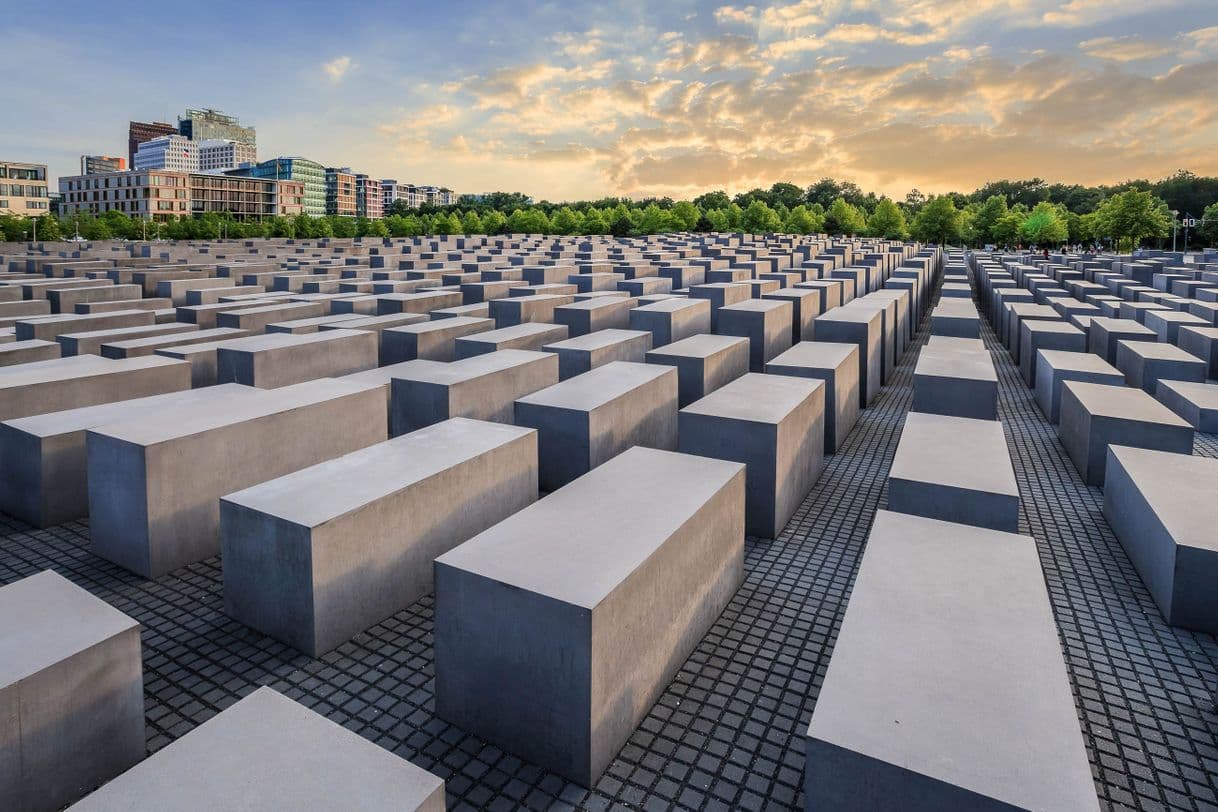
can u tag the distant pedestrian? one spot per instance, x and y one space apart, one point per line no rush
1046 254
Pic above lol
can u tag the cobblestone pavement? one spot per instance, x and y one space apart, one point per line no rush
728 731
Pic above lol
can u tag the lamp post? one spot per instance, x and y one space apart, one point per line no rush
1174 222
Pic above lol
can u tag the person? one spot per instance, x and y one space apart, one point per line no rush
1046 254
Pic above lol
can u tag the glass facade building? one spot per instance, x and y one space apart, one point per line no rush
310 173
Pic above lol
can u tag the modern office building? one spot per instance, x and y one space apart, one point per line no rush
408 193
140 131
208 124
162 195
95 164
222 154
23 189
175 153
368 200
245 198
340 192
310 173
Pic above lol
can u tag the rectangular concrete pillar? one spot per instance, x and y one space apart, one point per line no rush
282 359
704 363
836 365
546 637
672 319
578 355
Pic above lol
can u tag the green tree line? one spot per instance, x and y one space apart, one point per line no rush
1002 213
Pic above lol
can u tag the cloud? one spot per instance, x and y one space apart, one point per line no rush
1131 48
1075 13
735 15
338 68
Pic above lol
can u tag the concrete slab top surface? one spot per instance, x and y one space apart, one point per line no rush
467 368
958 452
1157 351
315 495
528 328
1048 326
597 339
553 549
956 343
1122 402
1204 395
1077 361
439 325
197 417
45 619
674 304
52 424
757 306
267 752
1121 326
52 368
955 671
756 398
598 386
952 363
698 346
271 341
1180 490
816 354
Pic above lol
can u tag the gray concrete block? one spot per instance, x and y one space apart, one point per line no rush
256 319
155 483
1201 342
1094 416
836 365
522 309
91 342
23 352
956 318
1055 367
765 323
84 380
546 637
720 294
1161 506
578 355
864 328
1145 363
774 424
1167 323
672 319
282 359
71 693
268 752
44 478
1103 335
954 469
48 328
431 341
602 313
591 418
526 336
314 557
1046 335
1196 403
483 387
421 302
704 363
947 688
956 383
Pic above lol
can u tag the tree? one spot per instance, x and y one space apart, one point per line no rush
1045 225
376 228
785 194
887 221
686 215
713 200
1209 225
48 229
844 218
938 221
802 221
986 218
622 227
1132 216
493 222
594 222
471 223
717 218
760 219
655 220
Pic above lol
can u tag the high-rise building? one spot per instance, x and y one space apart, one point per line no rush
340 192
23 189
140 131
221 154
368 199
208 124
160 195
94 164
310 173
175 153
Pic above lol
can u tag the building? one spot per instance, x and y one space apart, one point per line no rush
368 200
176 153
245 198
438 195
162 195
208 124
222 154
95 164
150 194
310 173
23 189
140 131
340 192
407 193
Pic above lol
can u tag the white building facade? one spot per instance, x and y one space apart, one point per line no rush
175 153
221 155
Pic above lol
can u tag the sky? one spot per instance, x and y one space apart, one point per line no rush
577 100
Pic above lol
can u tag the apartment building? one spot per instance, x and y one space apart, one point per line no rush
96 164
161 195
340 192
244 197
175 153
408 193
23 189
368 199
309 173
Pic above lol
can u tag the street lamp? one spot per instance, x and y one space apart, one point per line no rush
1174 222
